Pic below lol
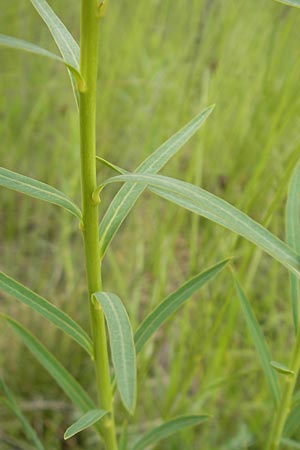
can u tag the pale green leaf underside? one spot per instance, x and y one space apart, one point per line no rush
171 304
260 344
19 44
290 443
47 310
219 211
281 368
84 422
168 429
290 2
292 237
67 45
127 196
37 189
63 378
11 403
122 346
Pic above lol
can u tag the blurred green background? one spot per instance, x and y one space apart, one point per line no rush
160 64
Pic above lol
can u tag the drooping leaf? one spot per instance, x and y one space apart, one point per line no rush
281 368
84 422
168 429
19 44
67 45
171 304
290 443
201 202
63 378
295 3
122 346
12 404
47 310
260 344
292 237
127 196
37 189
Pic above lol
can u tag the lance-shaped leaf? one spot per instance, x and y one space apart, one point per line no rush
47 310
201 202
11 403
295 3
84 422
168 429
127 196
171 304
121 344
292 237
67 45
63 378
260 344
292 423
19 44
37 189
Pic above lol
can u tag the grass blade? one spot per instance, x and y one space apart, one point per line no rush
292 237
67 45
171 304
11 403
122 346
260 344
84 422
63 378
19 44
295 3
217 210
47 310
127 196
37 189
168 429
292 423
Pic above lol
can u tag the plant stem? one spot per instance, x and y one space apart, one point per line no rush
89 68
286 400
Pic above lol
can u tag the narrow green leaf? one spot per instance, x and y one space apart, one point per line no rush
19 44
47 310
171 304
127 196
67 45
11 403
217 210
84 422
290 443
63 378
111 165
168 429
292 423
260 344
122 346
37 189
281 368
292 237
295 3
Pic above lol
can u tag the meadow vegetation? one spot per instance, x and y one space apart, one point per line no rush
161 63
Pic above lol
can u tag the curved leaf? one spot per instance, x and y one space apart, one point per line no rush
292 237
171 304
295 3
37 189
12 404
122 346
19 44
47 310
127 196
63 378
168 429
260 344
67 45
218 210
84 422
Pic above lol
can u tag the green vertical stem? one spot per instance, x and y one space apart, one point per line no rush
286 400
89 68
